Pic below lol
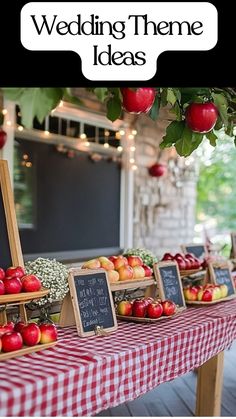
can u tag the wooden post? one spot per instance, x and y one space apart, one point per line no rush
209 387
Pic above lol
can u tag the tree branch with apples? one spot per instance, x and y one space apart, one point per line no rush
199 111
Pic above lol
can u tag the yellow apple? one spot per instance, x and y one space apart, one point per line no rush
113 276
92 264
106 263
139 272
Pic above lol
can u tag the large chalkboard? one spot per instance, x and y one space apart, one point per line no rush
92 301
221 274
169 282
198 250
10 249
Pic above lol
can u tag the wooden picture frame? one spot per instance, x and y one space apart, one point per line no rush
161 288
12 232
233 245
223 266
187 248
71 311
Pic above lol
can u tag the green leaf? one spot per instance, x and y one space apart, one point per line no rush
219 124
222 105
212 137
230 128
101 93
38 102
13 93
68 97
173 133
154 112
113 108
170 97
183 145
164 97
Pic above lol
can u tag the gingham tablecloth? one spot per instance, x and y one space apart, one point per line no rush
82 376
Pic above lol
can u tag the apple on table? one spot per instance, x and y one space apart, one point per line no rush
154 310
169 307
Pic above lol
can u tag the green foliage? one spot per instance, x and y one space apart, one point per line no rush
39 102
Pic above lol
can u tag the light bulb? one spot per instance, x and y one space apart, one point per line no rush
132 148
122 132
106 133
131 160
134 131
61 104
20 128
46 133
130 136
4 111
134 167
9 123
87 143
83 136
106 145
120 149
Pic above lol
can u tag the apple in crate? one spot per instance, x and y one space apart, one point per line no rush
120 261
169 307
113 276
205 294
154 310
31 334
148 300
106 263
148 271
224 290
92 264
9 327
167 256
124 308
134 261
139 272
11 341
180 262
2 274
191 293
31 283
12 285
139 308
216 292
2 287
19 326
126 272
13 272
48 332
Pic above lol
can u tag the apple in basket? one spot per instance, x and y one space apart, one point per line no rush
154 310
169 307
139 308
31 334
31 283
48 332
13 272
11 341
124 308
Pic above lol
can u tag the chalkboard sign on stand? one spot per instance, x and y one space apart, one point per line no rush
169 282
220 274
91 300
198 250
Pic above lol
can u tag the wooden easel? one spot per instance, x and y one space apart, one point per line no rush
12 229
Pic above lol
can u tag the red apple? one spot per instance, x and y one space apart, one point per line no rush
205 295
112 258
13 272
191 293
134 261
19 326
169 307
9 327
157 170
124 308
120 261
12 341
3 138
188 264
13 285
168 256
148 300
139 308
31 283
139 100
126 272
154 310
148 271
31 334
2 274
2 287
48 332
0 344
201 117
181 263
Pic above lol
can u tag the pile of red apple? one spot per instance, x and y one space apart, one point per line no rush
14 280
120 268
14 336
185 262
146 307
208 292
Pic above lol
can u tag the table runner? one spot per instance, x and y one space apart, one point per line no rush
82 376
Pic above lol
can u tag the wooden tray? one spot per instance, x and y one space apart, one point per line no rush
144 319
4 356
22 297
132 283
209 303
188 272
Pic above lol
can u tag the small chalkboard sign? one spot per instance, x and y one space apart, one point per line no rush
10 247
169 282
220 274
92 302
233 248
198 250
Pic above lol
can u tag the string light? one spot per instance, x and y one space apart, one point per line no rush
106 145
61 104
117 135
132 160
87 143
9 123
83 136
4 111
28 164
134 131
132 148
106 133
122 132
20 128
134 167
46 133
120 149
25 156
130 136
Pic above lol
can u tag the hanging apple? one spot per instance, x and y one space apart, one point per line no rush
201 117
139 100
157 169
3 138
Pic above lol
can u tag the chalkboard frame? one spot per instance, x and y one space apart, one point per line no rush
75 272
233 243
185 246
222 265
10 216
159 280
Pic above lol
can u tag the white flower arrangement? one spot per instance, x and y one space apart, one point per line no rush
53 275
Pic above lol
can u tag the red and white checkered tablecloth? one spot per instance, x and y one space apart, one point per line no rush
82 376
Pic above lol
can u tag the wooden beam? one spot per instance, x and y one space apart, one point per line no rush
209 387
